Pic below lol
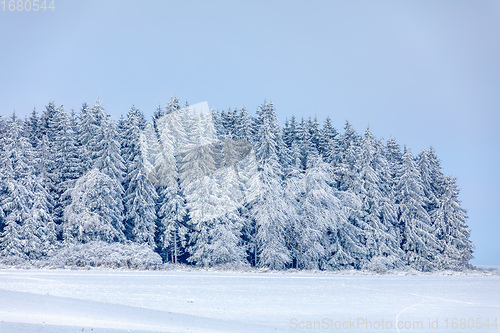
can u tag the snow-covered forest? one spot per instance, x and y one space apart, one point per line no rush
221 188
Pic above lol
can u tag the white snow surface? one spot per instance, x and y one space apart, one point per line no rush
224 301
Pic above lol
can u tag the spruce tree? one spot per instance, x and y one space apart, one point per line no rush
140 194
293 195
269 208
380 235
316 213
327 139
449 222
16 183
95 212
87 129
216 238
210 197
344 247
63 161
108 157
417 239
32 130
42 229
173 219
347 157
173 105
394 159
432 177
243 125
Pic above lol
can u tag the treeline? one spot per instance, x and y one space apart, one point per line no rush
305 197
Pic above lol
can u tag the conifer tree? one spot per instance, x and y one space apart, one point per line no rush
394 159
314 132
64 163
316 214
344 247
294 196
347 157
43 229
217 237
432 177
225 188
32 130
450 228
327 140
173 105
173 220
417 239
305 141
108 159
49 122
140 194
229 120
380 234
95 212
269 210
243 125
287 133
16 196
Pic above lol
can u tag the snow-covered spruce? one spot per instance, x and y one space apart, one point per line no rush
221 188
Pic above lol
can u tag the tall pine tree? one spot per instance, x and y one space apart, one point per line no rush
269 208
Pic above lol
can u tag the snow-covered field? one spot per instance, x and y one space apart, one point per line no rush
210 301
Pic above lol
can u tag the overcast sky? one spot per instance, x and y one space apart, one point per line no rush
424 72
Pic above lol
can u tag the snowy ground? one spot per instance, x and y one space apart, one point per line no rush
207 301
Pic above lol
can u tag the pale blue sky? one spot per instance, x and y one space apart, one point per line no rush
424 72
